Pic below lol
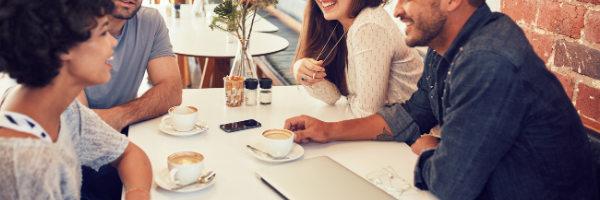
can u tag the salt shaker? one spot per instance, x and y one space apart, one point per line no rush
265 92
251 93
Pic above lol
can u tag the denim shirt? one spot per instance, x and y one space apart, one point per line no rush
509 130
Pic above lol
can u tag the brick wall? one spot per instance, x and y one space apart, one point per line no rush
566 35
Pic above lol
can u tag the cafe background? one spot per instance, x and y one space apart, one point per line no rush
564 33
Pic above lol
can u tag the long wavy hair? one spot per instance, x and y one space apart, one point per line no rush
315 32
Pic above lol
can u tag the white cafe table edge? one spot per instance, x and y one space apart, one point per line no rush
235 166
213 44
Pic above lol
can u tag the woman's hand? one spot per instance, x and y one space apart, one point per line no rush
308 71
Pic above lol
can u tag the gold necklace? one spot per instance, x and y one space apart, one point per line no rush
345 31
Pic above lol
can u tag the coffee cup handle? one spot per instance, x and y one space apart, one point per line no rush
172 176
163 121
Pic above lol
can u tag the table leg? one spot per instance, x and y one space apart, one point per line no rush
221 69
184 70
207 67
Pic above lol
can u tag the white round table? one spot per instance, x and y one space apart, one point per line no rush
213 44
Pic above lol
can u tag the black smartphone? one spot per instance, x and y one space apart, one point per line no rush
241 125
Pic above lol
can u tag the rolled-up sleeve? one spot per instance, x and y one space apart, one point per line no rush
407 121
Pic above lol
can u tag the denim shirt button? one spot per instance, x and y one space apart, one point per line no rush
451 63
444 90
461 48
432 96
442 98
428 77
431 86
449 72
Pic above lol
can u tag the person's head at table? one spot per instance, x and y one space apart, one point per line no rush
322 19
54 49
123 11
434 23
56 44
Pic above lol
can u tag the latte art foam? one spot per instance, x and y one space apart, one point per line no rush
277 135
182 110
186 160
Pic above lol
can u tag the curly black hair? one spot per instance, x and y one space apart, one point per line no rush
34 33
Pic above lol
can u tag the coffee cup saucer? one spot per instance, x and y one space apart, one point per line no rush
200 127
162 179
296 152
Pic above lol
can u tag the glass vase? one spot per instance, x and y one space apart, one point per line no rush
243 65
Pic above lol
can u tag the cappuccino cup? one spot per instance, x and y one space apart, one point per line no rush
185 167
181 118
277 142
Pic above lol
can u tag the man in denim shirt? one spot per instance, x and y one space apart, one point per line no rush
509 131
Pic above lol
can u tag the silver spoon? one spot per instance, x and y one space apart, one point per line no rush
267 154
203 179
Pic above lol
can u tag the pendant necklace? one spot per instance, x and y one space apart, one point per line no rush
345 31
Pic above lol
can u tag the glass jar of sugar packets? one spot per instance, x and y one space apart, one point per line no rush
251 93
265 91
234 90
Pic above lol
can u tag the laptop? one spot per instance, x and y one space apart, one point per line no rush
319 178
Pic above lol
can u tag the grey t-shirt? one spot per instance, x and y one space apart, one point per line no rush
143 38
38 169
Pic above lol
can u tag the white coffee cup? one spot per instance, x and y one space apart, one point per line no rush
185 167
181 118
277 142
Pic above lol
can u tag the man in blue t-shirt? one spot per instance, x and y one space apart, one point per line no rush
143 44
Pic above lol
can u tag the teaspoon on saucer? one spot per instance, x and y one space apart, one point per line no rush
203 179
267 154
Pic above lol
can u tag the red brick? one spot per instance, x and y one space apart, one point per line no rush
588 101
520 10
591 1
561 18
567 83
592 27
542 44
579 58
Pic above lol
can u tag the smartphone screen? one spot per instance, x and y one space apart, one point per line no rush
241 125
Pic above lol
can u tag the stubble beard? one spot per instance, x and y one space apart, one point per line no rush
428 28
121 13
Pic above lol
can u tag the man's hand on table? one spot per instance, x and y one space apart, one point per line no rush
308 129
112 118
426 141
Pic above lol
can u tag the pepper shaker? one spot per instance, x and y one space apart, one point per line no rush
265 91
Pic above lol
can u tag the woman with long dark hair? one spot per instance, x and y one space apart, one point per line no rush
353 48
54 49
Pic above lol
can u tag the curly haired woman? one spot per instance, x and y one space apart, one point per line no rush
54 49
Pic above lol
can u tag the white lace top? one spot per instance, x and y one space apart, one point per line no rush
381 68
39 169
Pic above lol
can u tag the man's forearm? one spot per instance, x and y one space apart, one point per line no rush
367 128
155 102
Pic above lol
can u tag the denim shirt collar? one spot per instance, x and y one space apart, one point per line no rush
478 19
